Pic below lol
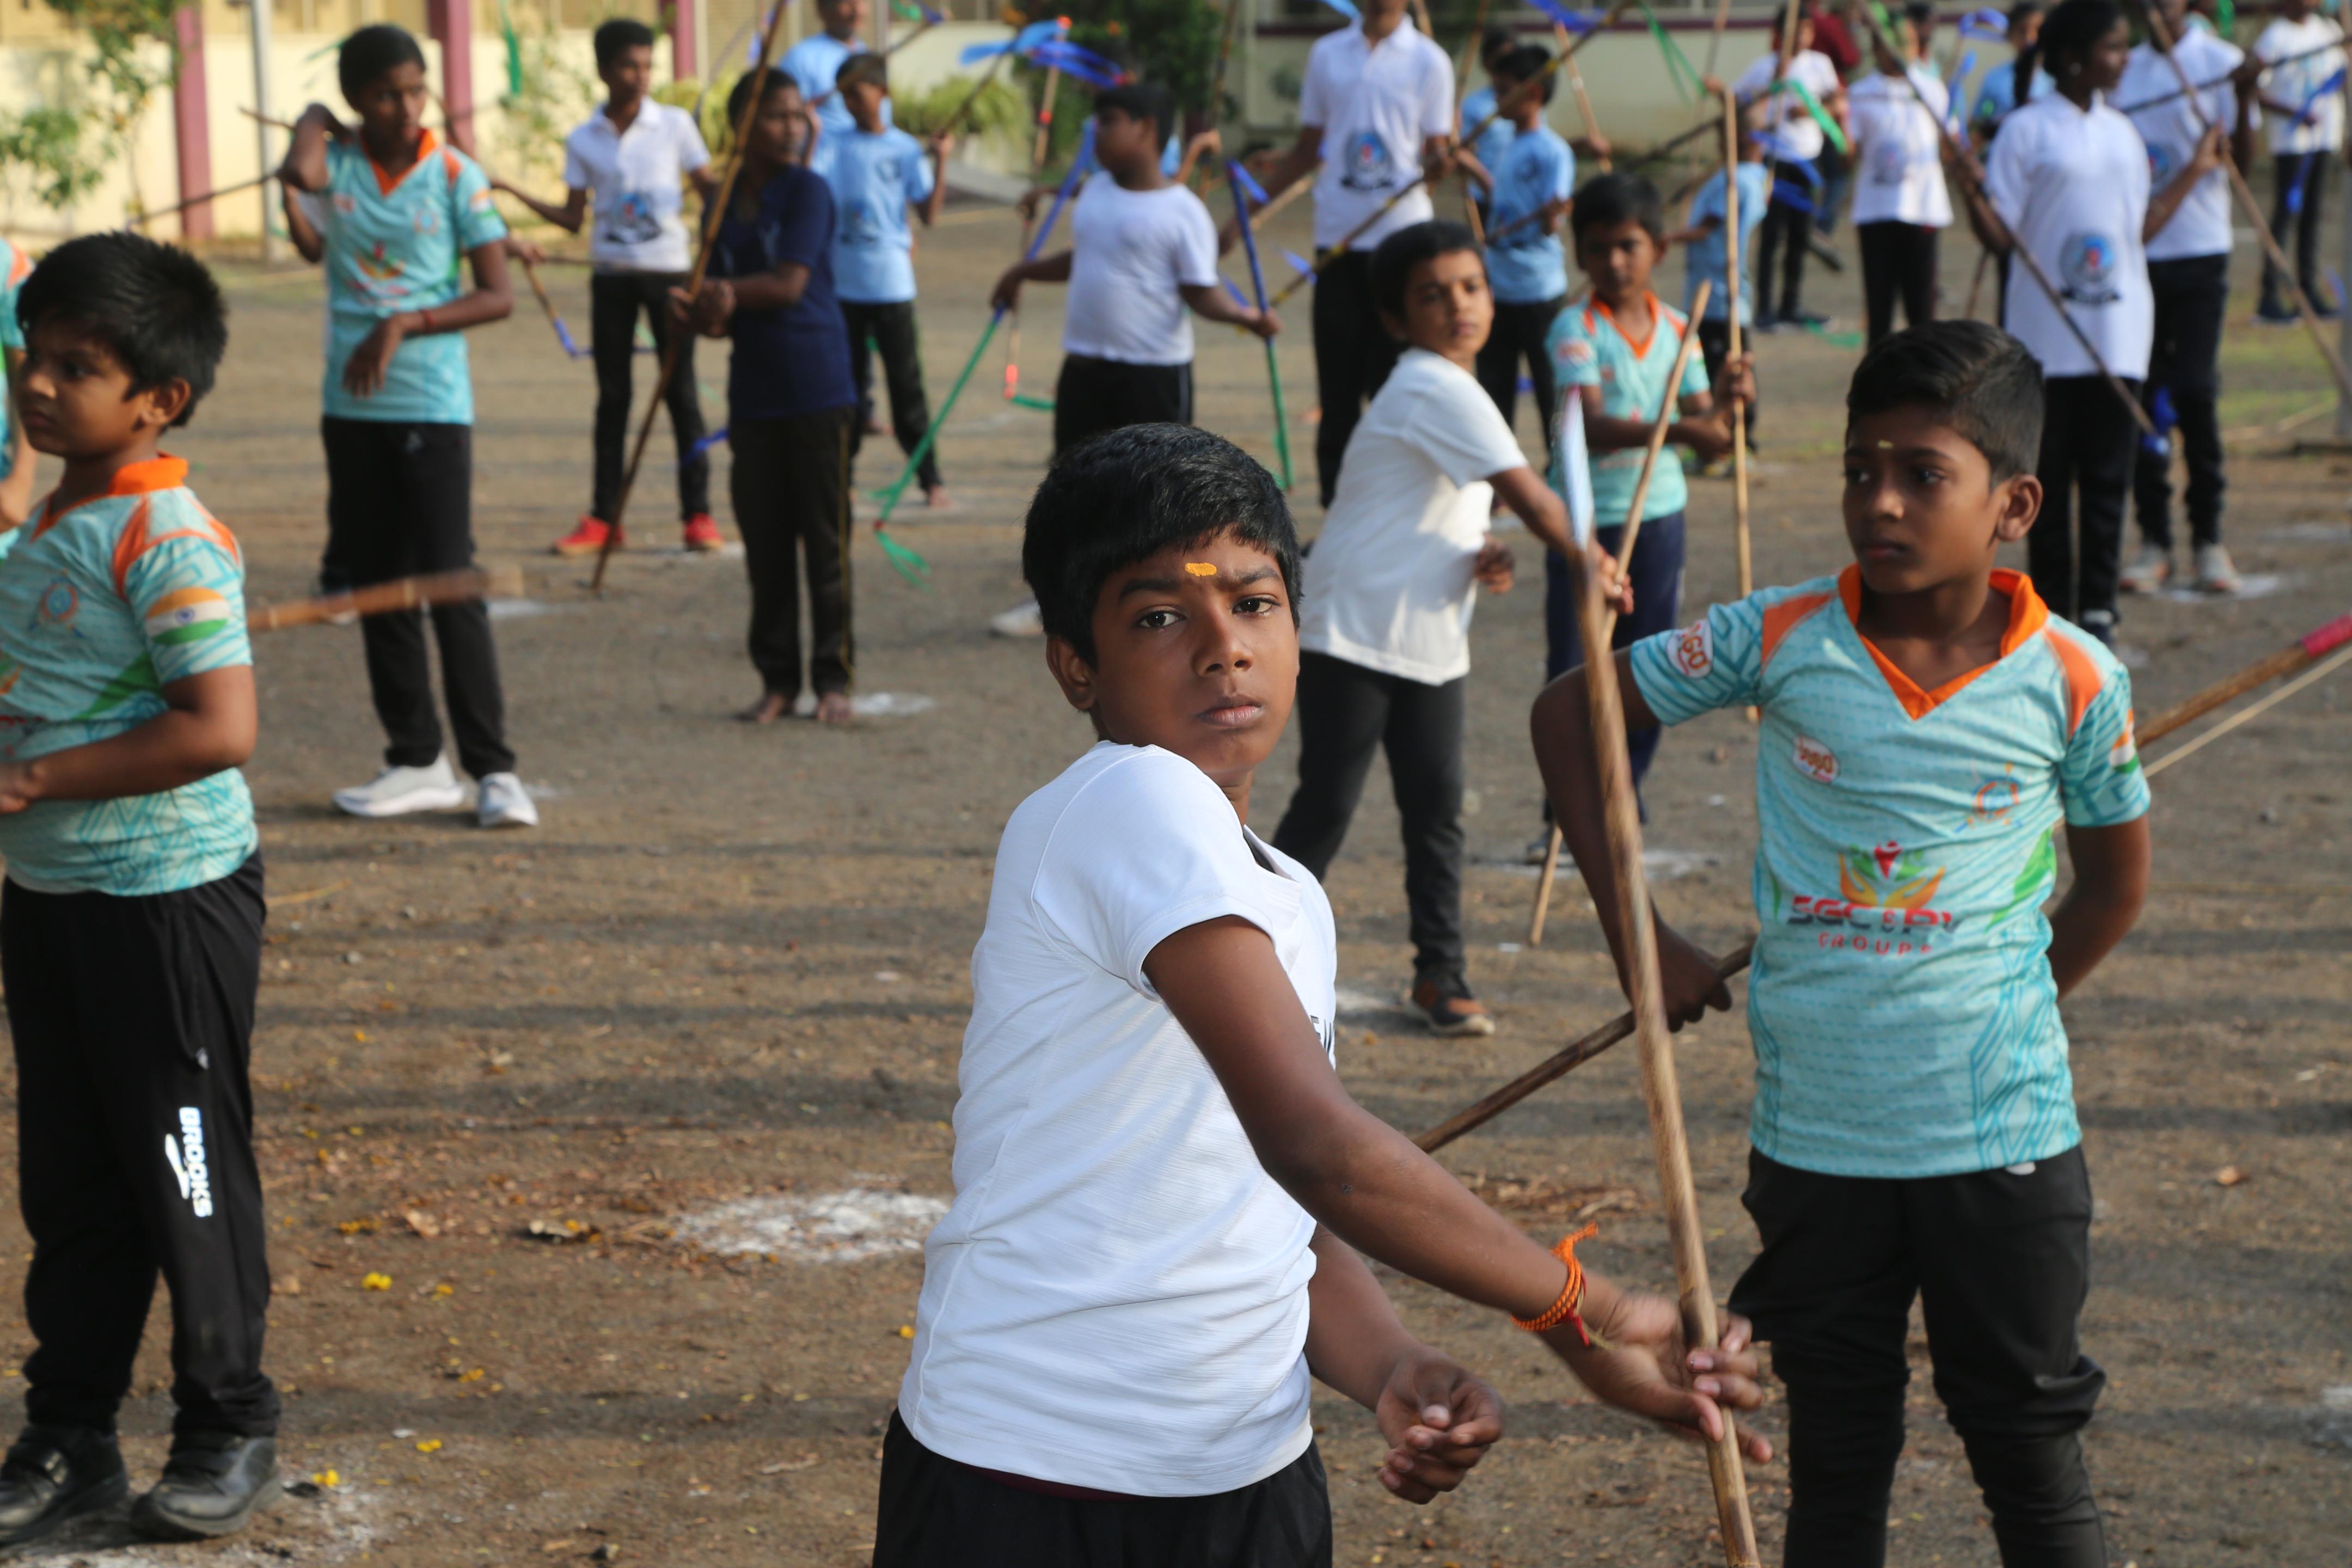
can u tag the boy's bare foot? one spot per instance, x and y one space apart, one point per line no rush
772 706
873 426
833 707
936 498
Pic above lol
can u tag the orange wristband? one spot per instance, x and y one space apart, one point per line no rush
1572 1294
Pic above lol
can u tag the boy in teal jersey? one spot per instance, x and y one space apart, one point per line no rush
1614 351
400 210
1926 725
15 452
131 922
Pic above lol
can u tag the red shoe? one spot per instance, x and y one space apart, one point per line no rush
588 539
702 534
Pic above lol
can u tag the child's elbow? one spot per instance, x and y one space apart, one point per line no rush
497 302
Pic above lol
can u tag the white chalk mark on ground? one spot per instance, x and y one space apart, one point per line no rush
2315 532
2257 586
523 610
817 1228
875 704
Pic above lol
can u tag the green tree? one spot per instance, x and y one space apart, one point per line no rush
137 54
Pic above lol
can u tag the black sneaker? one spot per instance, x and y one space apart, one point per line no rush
2274 315
212 1485
52 1474
1448 1008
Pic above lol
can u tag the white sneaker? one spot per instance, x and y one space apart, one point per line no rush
2149 571
1022 620
502 802
396 792
2216 572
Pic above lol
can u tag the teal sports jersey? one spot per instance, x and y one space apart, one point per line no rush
13 269
1904 1015
396 245
101 606
1586 348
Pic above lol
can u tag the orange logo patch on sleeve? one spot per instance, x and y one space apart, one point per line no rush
1694 651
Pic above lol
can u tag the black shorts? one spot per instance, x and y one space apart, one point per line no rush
1097 395
938 1512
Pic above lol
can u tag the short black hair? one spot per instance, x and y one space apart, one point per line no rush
1526 64
1141 100
1921 14
1973 376
1407 248
1607 200
767 82
1495 40
2073 27
154 307
2023 9
618 35
1131 494
865 65
372 51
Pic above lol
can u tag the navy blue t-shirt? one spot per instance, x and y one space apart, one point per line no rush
787 362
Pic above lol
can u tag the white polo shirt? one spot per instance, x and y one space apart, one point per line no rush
2297 83
1902 175
1788 118
1117 1299
635 185
1377 103
2072 185
2200 225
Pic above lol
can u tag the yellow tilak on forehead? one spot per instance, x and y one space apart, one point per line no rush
1200 568
1886 446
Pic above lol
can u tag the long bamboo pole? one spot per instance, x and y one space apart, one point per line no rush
379 598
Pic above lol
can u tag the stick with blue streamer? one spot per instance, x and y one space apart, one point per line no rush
890 497
1246 191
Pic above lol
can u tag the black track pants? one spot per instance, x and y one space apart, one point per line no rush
615 298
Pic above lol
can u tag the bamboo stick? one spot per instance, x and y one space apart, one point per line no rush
402 593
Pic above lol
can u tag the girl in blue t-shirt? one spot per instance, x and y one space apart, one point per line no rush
399 209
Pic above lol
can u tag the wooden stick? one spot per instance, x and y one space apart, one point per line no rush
2178 94
2303 651
1584 98
1732 297
1661 1091
1554 1068
142 220
1973 174
2249 712
714 219
1715 38
2161 34
1665 418
402 593
1532 84
1976 284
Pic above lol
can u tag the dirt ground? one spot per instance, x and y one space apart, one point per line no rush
501 1073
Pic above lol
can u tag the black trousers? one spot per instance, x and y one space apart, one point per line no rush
132 1022
1353 356
1093 396
2087 441
1517 339
1999 1261
2307 172
1897 258
1346 713
400 501
890 331
2192 293
791 486
614 300
936 1513
1780 241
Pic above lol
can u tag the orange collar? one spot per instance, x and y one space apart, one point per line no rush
1642 349
2027 615
161 472
386 183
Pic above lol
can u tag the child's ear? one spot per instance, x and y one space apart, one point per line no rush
1394 326
1072 673
164 403
2018 499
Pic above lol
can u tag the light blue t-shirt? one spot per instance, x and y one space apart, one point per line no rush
396 245
1527 266
1905 1019
1996 93
813 63
873 178
1497 137
13 269
101 606
1586 350
1705 259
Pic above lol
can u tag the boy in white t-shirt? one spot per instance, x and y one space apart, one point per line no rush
1142 261
1162 1185
2303 94
1795 138
1900 204
1385 634
631 161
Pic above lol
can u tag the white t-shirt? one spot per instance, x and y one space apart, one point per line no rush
1797 128
1388 585
1129 250
1117 1299
2073 188
2200 225
1902 175
635 183
1377 103
2294 83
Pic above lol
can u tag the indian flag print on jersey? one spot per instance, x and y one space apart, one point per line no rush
186 616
